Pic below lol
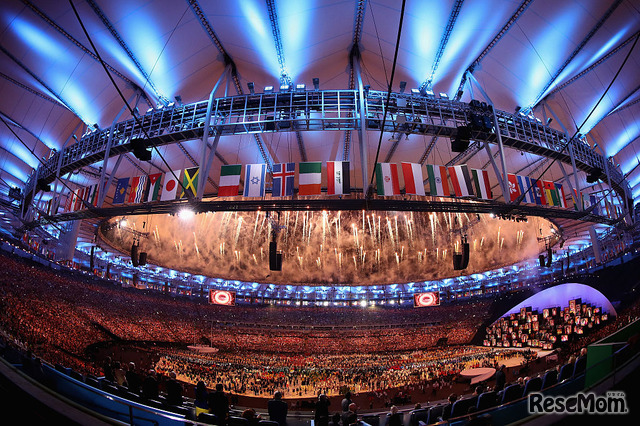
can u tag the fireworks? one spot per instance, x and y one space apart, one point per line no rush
332 247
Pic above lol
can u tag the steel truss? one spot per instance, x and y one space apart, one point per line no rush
328 110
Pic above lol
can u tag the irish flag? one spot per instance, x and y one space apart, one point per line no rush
438 183
413 180
229 180
387 179
481 182
338 179
310 178
461 181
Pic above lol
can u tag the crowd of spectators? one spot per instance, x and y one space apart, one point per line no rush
547 329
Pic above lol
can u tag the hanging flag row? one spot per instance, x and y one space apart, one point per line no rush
457 181
464 182
539 192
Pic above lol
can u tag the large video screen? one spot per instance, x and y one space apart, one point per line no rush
222 297
421 300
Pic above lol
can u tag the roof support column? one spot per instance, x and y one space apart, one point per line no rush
502 178
207 158
102 185
362 114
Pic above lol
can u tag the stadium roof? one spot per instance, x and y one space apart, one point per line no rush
556 58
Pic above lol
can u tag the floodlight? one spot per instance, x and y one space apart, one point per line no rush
284 87
415 91
429 92
444 95
301 86
268 89
316 83
251 87
403 85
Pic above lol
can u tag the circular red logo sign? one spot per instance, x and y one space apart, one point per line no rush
222 297
171 184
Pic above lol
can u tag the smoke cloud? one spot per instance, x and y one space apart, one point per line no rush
331 247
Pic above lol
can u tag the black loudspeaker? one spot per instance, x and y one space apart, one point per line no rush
140 150
595 175
541 259
461 142
549 256
92 258
134 255
275 258
142 260
43 186
465 256
457 261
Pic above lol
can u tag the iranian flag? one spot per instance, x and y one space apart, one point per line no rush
413 180
310 178
481 182
387 179
155 185
438 183
170 186
461 181
338 179
229 180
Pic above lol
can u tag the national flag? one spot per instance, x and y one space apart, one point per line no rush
170 185
553 199
561 195
525 186
190 182
155 184
387 181
77 205
515 190
121 190
577 200
229 180
138 184
481 182
310 178
538 191
338 178
413 180
94 192
461 181
254 175
283 176
438 183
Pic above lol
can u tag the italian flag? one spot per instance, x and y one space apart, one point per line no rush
387 179
229 180
413 180
155 185
310 178
481 182
338 179
438 183
461 181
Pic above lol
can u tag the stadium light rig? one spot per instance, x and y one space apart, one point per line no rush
186 214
